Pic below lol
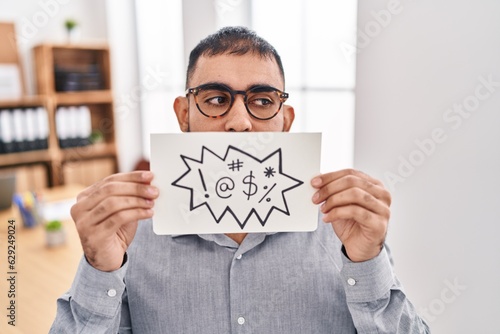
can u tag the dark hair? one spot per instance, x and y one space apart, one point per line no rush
232 40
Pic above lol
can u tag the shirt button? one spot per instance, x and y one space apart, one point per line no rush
351 281
111 292
241 320
239 257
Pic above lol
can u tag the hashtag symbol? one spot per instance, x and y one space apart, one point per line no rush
11 267
235 165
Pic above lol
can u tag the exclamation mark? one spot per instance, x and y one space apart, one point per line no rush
203 182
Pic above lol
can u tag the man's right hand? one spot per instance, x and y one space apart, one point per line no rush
106 215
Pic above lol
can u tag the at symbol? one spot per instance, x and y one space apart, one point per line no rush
224 184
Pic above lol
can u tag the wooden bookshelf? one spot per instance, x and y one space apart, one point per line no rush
87 68
89 64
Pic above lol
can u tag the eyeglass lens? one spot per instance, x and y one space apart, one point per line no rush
262 102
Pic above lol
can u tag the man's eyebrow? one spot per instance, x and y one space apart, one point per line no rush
250 86
260 85
214 83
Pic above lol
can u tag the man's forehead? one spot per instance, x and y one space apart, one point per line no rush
237 70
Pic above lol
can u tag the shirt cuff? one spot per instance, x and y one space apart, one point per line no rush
369 280
98 291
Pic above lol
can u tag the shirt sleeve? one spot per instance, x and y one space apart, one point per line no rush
94 302
376 299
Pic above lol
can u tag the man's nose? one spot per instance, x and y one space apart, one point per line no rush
238 119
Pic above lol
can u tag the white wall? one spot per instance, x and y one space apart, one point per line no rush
199 20
415 70
161 65
126 79
42 21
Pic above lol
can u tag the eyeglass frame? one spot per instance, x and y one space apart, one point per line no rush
283 96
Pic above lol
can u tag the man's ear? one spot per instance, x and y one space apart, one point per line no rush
181 108
288 117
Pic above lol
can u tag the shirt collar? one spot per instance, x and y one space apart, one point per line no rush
250 241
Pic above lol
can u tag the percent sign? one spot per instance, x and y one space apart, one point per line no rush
267 199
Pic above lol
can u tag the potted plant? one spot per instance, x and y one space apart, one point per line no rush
96 137
71 29
54 232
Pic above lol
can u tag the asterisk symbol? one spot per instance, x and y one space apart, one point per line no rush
269 171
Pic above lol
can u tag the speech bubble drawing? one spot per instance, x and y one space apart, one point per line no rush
219 182
237 183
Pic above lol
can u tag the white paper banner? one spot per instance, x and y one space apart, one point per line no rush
213 182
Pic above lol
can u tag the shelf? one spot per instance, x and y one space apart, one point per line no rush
88 152
27 101
84 97
79 46
28 157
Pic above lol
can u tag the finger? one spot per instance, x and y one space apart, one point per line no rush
144 177
113 222
349 181
356 196
112 205
365 218
323 179
112 189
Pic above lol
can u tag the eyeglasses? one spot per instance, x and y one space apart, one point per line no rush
215 100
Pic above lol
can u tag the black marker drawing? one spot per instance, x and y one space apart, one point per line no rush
252 187
267 199
203 183
235 165
269 171
237 183
224 184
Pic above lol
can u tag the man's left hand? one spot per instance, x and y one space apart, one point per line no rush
357 206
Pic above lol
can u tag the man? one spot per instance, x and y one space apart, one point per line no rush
337 279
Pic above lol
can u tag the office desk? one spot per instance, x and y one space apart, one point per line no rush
42 273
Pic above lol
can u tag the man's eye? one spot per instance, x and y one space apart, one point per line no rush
217 100
261 102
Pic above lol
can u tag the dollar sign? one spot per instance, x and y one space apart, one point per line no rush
251 190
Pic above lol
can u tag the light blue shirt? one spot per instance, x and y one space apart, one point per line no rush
271 283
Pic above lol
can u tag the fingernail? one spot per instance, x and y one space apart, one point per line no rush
316 182
147 175
315 197
153 190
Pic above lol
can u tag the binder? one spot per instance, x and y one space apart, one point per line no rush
31 128
61 127
73 126
6 131
42 122
19 133
85 129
